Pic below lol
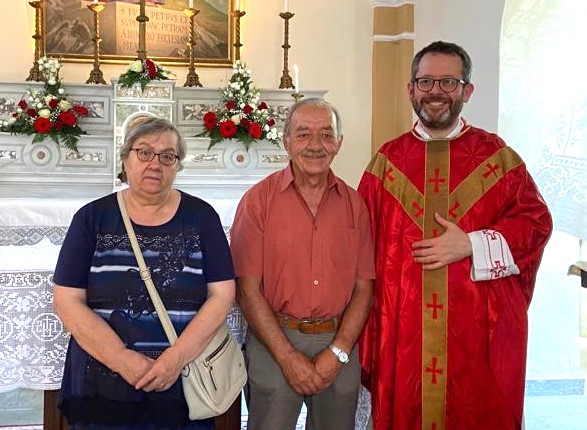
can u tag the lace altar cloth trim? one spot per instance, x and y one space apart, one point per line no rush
33 340
31 235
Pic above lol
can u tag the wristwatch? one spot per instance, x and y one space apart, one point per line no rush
342 356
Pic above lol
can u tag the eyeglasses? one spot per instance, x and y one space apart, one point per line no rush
448 85
165 158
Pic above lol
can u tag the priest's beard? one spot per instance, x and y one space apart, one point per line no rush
443 122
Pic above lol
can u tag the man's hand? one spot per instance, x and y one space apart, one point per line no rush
301 374
328 366
452 245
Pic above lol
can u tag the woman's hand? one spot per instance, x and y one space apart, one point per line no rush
133 366
163 372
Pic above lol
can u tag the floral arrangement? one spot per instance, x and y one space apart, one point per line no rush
48 112
143 72
241 115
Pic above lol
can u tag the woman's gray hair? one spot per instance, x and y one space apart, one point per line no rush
312 101
146 125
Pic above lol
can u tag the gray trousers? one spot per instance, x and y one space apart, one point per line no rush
273 405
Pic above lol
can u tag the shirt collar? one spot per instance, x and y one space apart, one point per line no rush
287 179
419 129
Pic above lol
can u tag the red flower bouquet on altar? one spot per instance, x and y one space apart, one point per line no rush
48 112
241 115
143 72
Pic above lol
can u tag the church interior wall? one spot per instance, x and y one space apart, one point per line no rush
330 42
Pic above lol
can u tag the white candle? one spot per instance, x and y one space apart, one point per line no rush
237 5
296 81
286 5
191 4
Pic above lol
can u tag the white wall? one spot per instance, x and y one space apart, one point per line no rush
331 43
476 26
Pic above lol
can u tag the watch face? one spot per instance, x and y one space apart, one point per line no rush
343 356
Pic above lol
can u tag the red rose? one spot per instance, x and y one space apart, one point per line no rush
67 118
227 128
210 120
31 112
80 110
262 106
58 125
42 125
53 103
151 69
271 122
247 109
22 104
230 105
255 130
245 122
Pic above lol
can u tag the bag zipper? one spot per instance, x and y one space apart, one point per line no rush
208 363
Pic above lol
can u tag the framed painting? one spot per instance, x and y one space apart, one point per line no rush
69 31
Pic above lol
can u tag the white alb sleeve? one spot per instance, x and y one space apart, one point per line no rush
492 258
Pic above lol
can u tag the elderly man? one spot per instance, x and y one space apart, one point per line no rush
304 265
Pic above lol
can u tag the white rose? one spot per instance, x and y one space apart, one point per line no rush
11 120
39 105
51 81
18 110
61 91
136 66
64 105
45 113
236 119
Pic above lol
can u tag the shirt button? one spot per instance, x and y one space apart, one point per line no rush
316 282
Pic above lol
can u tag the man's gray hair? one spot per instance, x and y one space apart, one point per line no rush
312 101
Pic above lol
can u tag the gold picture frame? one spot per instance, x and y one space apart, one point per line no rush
69 30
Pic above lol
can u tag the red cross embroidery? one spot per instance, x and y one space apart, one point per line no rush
491 234
491 169
388 174
435 306
437 180
434 370
452 211
498 269
419 210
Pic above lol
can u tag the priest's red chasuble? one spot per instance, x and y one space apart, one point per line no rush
439 351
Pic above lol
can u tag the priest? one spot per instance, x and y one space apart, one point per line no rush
459 228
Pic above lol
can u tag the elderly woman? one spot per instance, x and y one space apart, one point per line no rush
120 372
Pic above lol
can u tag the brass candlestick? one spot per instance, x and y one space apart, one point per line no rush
142 19
96 75
192 79
35 74
286 81
238 14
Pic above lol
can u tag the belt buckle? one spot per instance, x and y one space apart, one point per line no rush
307 326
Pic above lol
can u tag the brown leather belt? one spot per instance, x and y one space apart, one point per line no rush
308 326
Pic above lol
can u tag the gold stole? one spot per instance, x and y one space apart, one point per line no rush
421 208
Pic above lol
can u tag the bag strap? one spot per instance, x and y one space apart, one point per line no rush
146 274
